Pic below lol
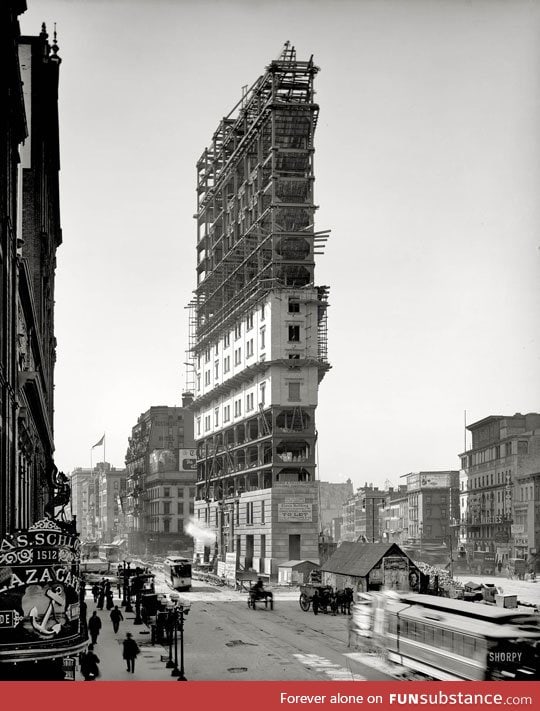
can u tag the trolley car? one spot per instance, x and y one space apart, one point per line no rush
177 573
456 640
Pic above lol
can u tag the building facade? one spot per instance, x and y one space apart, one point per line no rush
395 516
362 515
260 336
500 499
30 236
332 496
433 503
160 486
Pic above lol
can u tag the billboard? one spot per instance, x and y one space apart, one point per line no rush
40 593
294 511
187 460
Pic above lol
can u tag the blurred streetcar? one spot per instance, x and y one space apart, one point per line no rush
177 572
451 639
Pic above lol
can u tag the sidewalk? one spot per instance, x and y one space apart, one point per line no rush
148 665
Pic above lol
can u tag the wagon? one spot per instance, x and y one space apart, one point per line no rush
307 592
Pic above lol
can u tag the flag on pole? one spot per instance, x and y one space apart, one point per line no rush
98 444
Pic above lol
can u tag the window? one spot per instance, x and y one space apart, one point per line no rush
207 377
249 512
262 312
249 321
262 388
237 517
216 417
237 331
198 381
294 392
262 513
216 369
207 423
249 402
294 356
181 507
198 425
166 491
294 333
226 413
237 408
237 356
226 340
166 507
249 348
166 525
263 338
226 364
263 545
216 349
294 306
207 355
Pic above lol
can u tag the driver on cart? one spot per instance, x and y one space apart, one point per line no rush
258 588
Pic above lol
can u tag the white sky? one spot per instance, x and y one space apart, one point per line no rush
427 173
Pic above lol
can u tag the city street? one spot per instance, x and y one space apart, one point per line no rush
226 640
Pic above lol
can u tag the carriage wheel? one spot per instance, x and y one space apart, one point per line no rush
304 602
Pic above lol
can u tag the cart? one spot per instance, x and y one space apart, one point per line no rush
307 592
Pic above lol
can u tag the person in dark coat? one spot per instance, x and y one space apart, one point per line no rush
130 652
116 617
89 664
95 591
109 598
315 601
94 626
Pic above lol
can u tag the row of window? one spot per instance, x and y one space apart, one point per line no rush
294 395
204 515
497 452
293 333
155 492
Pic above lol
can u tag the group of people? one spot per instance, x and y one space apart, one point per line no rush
130 649
103 594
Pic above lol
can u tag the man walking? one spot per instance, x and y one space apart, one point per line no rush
94 626
116 617
131 649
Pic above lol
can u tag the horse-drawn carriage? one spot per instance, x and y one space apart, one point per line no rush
325 598
256 594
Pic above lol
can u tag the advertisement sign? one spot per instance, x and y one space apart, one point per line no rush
39 592
187 460
289 511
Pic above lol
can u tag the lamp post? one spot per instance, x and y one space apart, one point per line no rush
127 572
170 624
182 611
137 587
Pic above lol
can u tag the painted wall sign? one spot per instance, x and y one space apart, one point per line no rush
289 511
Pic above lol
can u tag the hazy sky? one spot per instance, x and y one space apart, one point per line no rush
427 172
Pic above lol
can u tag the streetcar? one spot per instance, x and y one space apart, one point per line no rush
178 572
456 640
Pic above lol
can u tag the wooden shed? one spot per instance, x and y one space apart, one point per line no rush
370 566
295 572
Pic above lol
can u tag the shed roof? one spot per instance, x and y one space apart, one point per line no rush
358 559
294 563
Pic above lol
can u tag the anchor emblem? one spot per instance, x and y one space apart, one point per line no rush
55 596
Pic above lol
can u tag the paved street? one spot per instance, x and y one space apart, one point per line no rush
225 640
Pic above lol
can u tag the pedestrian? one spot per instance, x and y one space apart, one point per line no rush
94 626
130 652
89 664
315 602
110 601
95 591
101 599
116 617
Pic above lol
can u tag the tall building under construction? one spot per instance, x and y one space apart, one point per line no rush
258 334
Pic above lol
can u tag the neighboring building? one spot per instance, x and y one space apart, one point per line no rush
30 236
81 480
160 486
332 496
34 514
111 484
433 501
500 500
395 516
362 515
260 339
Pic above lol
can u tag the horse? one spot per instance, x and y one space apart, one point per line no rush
255 594
345 599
